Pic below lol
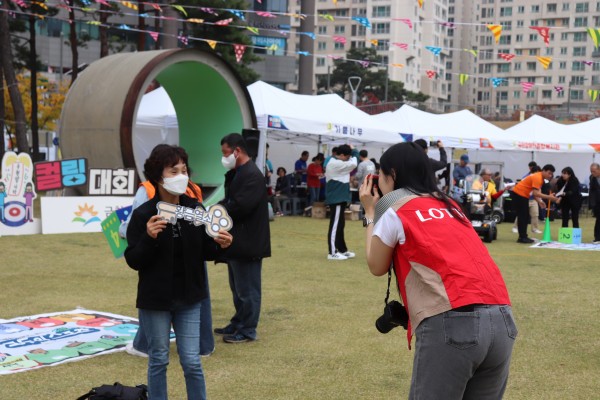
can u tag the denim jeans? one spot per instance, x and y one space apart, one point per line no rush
186 324
313 193
207 340
463 355
245 284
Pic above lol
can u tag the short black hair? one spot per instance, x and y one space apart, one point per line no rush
532 164
281 169
334 150
422 143
344 150
234 140
364 153
549 167
304 153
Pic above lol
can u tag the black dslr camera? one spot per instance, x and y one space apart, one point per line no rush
394 314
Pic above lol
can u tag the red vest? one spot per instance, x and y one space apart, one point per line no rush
443 264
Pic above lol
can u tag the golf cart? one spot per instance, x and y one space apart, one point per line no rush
477 205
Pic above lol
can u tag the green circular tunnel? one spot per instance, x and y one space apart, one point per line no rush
210 101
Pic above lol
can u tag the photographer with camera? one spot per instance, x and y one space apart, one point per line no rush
436 165
456 301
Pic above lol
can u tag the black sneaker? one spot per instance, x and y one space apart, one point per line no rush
525 240
228 330
236 338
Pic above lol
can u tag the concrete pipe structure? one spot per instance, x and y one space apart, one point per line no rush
210 101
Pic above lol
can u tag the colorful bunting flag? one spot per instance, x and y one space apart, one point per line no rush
239 50
97 23
435 50
496 30
20 3
588 63
363 21
496 82
407 21
303 53
224 22
398 65
273 47
403 46
154 35
208 10
129 4
339 39
506 57
527 86
328 17
545 61
309 34
595 35
544 32
125 27
334 56
238 13
559 89
154 5
463 78
449 25
195 20
252 29
364 63
472 51
212 43
593 94
374 42
180 9
265 14
431 74
183 39
420 3
293 15
42 5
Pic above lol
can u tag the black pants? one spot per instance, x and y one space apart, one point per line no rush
337 222
521 207
597 225
567 207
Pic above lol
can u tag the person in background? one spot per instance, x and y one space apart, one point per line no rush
530 185
365 167
2 200
337 197
462 170
300 168
594 199
455 300
313 180
436 165
247 204
268 171
169 258
283 190
569 197
534 204
334 153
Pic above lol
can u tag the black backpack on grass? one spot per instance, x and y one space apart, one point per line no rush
116 392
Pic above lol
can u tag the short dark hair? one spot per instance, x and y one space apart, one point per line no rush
364 153
532 164
536 168
304 153
344 150
549 167
234 140
281 169
334 150
161 157
422 143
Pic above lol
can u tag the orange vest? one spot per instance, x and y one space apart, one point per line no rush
189 192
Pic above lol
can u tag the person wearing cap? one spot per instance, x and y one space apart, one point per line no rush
462 170
436 165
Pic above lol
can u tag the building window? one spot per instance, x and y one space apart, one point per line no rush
381 11
322 45
565 6
531 94
535 9
582 7
531 66
338 46
564 36
562 65
320 62
359 30
517 66
549 51
577 66
521 9
339 29
381 28
503 67
562 79
581 21
551 7
580 36
517 94
519 38
578 51
322 30
546 94
505 11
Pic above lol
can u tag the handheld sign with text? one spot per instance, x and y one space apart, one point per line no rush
110 228
214 218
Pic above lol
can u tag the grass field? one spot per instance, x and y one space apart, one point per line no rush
317 336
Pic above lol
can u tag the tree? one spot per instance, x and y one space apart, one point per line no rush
223 34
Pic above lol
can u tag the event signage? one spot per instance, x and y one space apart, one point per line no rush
54 175
79 214
110 228
43 340
111 182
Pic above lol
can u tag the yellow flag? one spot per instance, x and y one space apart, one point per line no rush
545 61
496 30
129 4
212 44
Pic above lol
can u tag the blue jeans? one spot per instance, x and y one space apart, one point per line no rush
186 324
207 340
313 195
463 355
245 284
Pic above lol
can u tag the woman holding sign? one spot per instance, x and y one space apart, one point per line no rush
169 259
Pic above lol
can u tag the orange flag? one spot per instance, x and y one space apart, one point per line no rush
496 30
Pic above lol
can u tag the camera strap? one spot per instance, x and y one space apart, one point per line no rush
387 294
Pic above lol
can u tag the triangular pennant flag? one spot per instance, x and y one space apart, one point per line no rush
363 21
364 63
154 35
375 42
593 94
435 50
265 14
506 57
304 53
334 56
273 47
328 17
208 10
183 39
154 5
195 20
545 61
239 50
420 3
42 5
403 46
496 30
527 86
97 23
496 82
559 89
238 13
339 39
224 22
398 65
588 63
212 43
125 27
252 29
449 25
595 35
407 21
20 3
180 9
299 16
544 32
431 74
472 51
130 5
309 34
463 78
84 9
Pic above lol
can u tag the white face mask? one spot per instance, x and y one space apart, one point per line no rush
176 185
229 161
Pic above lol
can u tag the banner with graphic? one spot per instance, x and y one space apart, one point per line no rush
43 340
79 214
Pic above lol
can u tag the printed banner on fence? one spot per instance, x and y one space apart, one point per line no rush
43 340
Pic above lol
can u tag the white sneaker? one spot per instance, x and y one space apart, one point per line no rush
129 349
536 231
596 242
349 254
515 230
336 256
208 354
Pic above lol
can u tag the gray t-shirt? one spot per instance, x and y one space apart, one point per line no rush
364 168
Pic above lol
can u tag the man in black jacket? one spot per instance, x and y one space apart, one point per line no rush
594 199
246 202
436 165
